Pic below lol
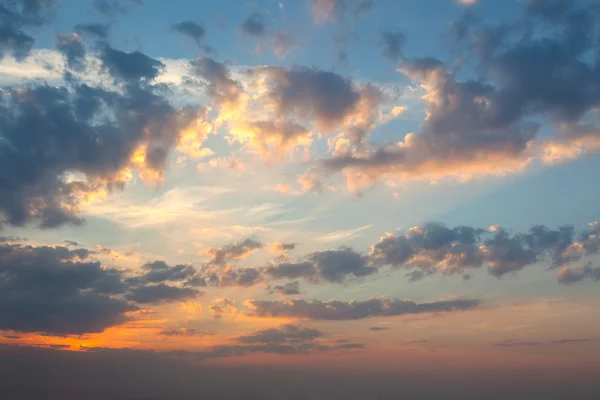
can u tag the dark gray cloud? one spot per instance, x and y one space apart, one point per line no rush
291 270
337 265
337 310
223 255
287 289
16 15
191 29
245 277
130 66
218 80
12 239
58 291
71 46
393 43
254 25
435 248
71 243
161 293
288 333
569 275
160 272
323 96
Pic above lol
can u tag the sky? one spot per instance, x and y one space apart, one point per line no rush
308 199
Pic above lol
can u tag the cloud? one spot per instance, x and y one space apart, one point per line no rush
161 293
234 251
334 10
73 49
337 310
230 276
344 234
131 66
190 29
393 43
160 272
282 44
280 247
292 270
16 15
194 31
435 248
286 339
219 307
379 328
58 291
569 275
254 25
288 333
337 265
274 110
181 332
287 289
86 139
485 126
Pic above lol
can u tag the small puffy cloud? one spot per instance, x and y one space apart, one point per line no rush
190 29
570 275
337 310
337 265
287 289
234 251
130 66
161 272
254 25
230 276
280 247
393 43
219 307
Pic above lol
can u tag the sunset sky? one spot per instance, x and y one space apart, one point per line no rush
373 197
